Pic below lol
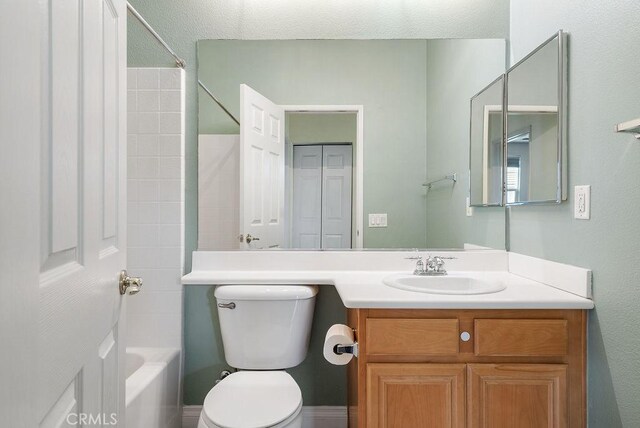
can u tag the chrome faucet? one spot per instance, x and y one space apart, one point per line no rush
432 266
419 270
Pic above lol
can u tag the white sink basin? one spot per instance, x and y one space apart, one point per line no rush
452 283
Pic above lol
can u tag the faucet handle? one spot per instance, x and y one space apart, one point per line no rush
413 258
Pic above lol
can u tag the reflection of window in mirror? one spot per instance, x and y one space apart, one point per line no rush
518 165
513 179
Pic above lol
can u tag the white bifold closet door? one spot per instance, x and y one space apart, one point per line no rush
322 177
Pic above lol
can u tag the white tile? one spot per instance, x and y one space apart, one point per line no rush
171 101
132 213
168 257
147 190
158 278
148 100
132 190
132 78
132 101
154 330
148 145
148 167
132 168
169 213
132 123
148 235
170 145
155 302
170 123
170 190
148 78
148 212
148 123
133 236
142 257
170 78
170 167
132 144
169 235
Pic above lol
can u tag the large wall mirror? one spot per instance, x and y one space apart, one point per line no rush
332 144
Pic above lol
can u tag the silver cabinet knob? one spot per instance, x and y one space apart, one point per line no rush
465 336
128 283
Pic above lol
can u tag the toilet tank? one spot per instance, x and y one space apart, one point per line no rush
265 327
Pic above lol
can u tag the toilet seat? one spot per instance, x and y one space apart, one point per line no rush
253 399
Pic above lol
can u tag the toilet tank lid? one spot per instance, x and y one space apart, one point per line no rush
266 292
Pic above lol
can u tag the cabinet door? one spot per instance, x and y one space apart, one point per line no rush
415 395
517 395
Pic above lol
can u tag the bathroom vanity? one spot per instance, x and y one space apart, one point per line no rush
467 368
450 358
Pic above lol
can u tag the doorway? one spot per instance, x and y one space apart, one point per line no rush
326 125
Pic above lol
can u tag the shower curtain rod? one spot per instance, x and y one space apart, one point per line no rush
213 97
179 61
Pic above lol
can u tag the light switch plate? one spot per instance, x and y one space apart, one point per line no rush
378 220
582 202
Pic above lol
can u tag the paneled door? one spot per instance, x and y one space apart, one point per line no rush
517 395
410 395
63 239
306 224
336 196
261 171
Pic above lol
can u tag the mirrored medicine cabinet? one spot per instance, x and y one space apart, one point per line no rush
517 152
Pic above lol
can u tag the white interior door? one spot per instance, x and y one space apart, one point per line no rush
63 240
336 196
307 197
261 171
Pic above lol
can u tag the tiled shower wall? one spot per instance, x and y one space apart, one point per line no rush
156 205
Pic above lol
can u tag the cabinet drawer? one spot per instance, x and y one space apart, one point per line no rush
520 337
390 336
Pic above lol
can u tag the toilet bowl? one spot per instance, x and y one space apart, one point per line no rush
253 399
265 329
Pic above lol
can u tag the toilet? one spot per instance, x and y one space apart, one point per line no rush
265 329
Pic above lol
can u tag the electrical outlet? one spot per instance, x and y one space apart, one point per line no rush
378 220
582 202
469 208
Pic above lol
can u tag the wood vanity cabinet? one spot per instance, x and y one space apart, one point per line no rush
516 368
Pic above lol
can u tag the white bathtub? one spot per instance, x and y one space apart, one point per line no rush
152 388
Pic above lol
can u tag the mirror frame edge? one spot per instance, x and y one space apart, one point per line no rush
562 90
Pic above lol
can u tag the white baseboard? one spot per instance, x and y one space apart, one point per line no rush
312 416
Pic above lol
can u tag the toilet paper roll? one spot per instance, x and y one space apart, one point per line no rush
338 334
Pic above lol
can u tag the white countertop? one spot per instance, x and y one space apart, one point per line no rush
365 289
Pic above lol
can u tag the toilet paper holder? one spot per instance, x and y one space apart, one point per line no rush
346 349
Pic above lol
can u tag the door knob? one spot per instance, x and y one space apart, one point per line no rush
250 238
131 283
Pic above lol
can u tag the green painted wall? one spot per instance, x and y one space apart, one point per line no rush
182 24
604 89
321 128
448 140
